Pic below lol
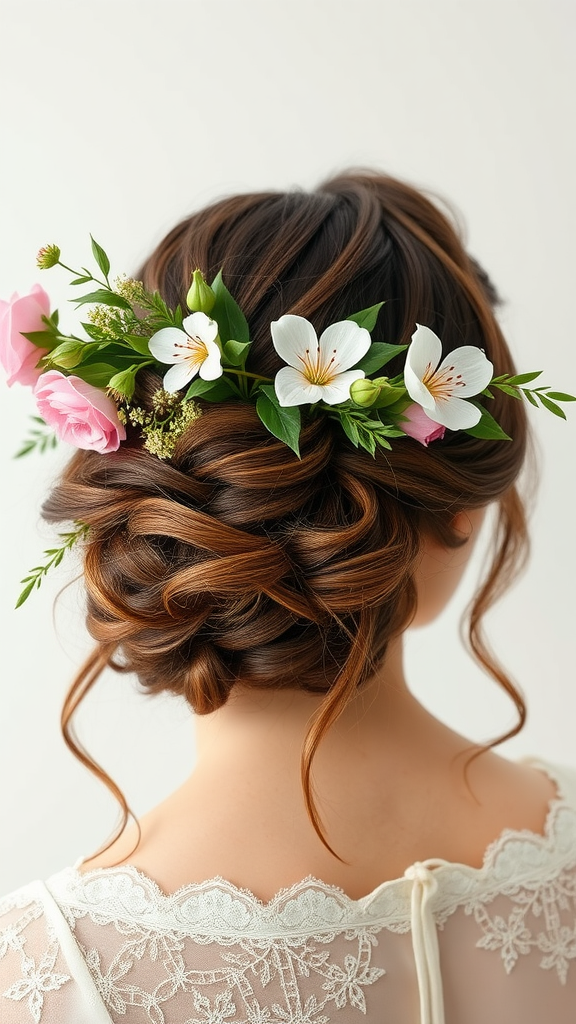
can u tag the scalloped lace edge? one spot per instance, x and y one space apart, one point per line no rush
515 859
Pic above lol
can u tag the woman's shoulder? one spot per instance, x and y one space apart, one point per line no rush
88 880
44 977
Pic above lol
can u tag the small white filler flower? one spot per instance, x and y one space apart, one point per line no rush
318 370
441 390
192 350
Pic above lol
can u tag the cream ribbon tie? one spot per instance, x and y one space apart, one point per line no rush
425 940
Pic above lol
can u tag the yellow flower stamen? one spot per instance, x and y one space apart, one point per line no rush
314 371
442 384
196 350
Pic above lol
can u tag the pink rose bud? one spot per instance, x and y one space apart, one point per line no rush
79 413
18 355
418 425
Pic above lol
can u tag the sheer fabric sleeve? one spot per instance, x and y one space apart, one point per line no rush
43 977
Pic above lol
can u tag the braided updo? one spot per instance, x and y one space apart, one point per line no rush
237 563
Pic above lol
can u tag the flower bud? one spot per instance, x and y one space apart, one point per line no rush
48 256
121 385
68 354
364 392
200 298
389 393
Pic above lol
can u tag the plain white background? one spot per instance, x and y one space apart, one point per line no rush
119 118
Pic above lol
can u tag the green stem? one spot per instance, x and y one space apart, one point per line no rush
80 273
244 373
69 269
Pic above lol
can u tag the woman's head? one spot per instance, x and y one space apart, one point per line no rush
236 562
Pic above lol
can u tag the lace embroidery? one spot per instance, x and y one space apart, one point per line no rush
221 912
243 976
306 954
545 905
35 979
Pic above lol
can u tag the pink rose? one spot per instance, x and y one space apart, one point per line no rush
418 425
80 414
18 355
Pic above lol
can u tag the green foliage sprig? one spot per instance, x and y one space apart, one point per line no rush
53 558
515 387
41 439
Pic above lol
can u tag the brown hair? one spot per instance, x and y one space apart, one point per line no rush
235 560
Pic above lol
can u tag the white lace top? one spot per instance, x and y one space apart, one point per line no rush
445 943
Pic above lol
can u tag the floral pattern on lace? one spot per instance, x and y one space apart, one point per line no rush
242 972
538 920
36 978
300 959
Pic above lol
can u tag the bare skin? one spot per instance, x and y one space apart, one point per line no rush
389 781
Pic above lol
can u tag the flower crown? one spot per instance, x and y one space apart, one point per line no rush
84 386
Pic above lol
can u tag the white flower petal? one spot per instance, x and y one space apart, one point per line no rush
178 376
455 413
417 390
292 388
472 366
339 389
346 342
291 336
169 345
211 368
425 349
198 325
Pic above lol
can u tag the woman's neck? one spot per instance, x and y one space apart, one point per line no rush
388 782
256 722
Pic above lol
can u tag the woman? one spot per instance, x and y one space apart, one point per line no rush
338 853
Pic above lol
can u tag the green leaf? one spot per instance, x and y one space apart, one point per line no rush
523 378
235 352
113 348
27 591
388 429
552 407
350 429
105 298
96 333
560 396
378 355
52 321
138 343
513 392
487 427
43 339
367 317
26 448
528 395
155 305
366 439
227 313
100 257
211 390
283 422
81 280
42 438
97 374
